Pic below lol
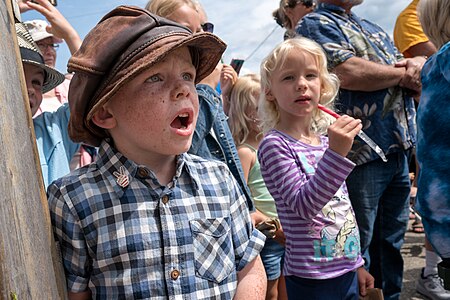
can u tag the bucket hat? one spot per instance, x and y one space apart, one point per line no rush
30 54
126 42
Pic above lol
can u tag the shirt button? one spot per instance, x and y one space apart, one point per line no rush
175 274
142 172
165 199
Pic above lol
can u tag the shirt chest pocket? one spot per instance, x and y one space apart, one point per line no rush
213 251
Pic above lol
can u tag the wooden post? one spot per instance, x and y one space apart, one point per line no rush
28 260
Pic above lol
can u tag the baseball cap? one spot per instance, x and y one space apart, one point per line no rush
38 30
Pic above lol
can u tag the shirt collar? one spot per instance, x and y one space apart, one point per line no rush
116 167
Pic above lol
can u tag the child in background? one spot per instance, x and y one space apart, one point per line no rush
146 220
244 125
54 145
305 172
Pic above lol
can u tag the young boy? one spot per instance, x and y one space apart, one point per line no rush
147 220
54 146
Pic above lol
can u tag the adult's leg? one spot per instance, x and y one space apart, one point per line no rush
365 186
376 200
393 221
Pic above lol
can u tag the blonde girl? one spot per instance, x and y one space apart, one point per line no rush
305 172
244 125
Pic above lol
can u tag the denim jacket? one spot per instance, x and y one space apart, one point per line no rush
217 143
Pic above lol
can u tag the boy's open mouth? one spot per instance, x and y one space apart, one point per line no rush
182 121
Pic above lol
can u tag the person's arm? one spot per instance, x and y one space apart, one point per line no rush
213 79
60 27
248 158
80 296
422 49
252 281
358 74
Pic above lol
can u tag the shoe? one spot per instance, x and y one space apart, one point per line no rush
417 227
432 287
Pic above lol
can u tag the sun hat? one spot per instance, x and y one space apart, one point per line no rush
30 54
38 30
126 42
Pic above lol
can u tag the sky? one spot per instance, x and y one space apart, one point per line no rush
246 26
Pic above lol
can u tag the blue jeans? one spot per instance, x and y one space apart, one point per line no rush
344 287
272 256
379 193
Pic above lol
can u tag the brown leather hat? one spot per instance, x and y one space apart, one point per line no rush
126 42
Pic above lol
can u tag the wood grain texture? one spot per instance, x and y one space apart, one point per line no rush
27 252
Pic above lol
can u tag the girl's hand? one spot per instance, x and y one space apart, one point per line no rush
365 281
342 133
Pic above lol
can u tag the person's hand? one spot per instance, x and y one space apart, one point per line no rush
280 237
365 281
213 79
59 26
342 133
257 217
228 78
23 6
411 79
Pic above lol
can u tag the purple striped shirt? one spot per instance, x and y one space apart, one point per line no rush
308 185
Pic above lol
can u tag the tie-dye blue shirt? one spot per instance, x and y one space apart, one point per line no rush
388 115
433 150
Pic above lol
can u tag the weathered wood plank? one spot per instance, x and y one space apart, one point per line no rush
27 253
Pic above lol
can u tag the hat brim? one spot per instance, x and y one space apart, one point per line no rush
53 78
209 48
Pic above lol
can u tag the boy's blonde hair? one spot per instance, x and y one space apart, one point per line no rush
268 110
434 16
244 95
165 8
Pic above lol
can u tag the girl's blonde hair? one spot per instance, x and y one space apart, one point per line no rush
434 16
165 8
268 110
244 95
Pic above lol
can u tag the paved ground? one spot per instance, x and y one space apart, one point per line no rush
414 257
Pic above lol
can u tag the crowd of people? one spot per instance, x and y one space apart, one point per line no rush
160 185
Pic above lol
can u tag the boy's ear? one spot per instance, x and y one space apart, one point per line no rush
103 118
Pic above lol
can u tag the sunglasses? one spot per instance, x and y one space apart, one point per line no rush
208 27
306 3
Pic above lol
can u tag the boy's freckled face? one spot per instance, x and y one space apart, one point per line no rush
34 79
156 112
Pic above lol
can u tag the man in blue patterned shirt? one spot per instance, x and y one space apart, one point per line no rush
147 220
377 86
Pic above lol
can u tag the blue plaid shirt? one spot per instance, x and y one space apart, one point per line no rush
139 240
388 115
